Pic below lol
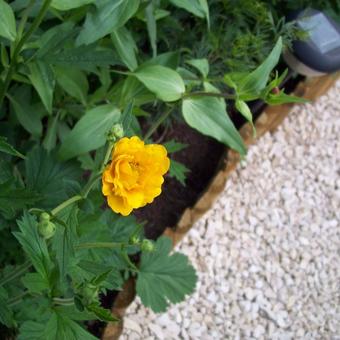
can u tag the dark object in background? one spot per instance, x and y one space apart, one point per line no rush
320 52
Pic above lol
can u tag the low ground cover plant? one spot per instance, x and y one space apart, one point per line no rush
83 86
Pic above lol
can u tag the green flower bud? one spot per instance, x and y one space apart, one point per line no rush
89 293
116 132
46 229
147 246
134 239
44 216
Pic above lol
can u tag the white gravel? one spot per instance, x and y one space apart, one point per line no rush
267 254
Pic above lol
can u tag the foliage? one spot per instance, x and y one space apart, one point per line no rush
75 76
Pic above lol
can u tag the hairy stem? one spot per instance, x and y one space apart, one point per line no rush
16 273
66 203
157 123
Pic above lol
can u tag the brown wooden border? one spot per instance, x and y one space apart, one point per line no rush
268 120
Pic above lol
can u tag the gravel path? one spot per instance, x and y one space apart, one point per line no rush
267 254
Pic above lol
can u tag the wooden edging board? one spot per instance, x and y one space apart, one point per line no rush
268 121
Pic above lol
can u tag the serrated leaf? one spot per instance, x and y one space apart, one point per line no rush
47 176
102 313
90 132
178 171
34 282
42 77
8 148
125 46
13 198
166 83
7 21
164 278
6 315
34 245
208 115
108 16
172 146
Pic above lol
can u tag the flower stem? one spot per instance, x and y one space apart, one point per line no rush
17 299
66 203
157 123
37 21
209 94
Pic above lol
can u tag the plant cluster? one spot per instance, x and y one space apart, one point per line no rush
75 78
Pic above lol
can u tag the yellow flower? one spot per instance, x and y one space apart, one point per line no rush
135 175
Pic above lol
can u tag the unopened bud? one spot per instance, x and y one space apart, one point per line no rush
134 239
275 90
46 229
147 246
89 293
44 216
116 132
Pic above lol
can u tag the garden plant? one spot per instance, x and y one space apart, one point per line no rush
84 85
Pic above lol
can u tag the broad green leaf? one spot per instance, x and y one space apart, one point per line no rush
47 176
7 21
208 115
201 65
125 46
108 16
8 148
34 245
244 109
256 81
166 83
65 5
73 82
164 278
26 116
90 132
178 171
127 116
35 283
50 139
151 26
13 198
197 7
167 59
42 78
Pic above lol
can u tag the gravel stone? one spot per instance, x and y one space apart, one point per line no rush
267 253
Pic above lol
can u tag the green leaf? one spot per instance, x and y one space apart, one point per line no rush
127 116
109 16
151 26
172 146
47 176
29 119
125 46
243 108
90 132
42 77
73 82
208 115
256 81
178 171
50 139
164 278
201 65
65 5
8 148
7 21
83 57
196 7
166 83
59 326
6 315
283 98
13 199
102 313
34 245
65 239
35 283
